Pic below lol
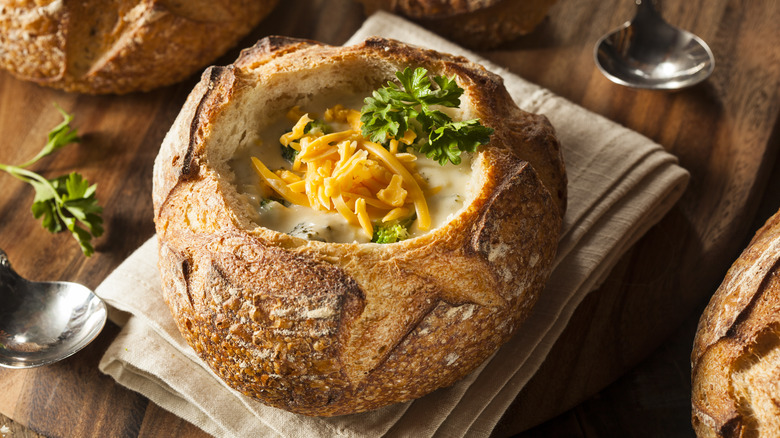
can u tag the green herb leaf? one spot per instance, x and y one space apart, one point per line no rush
430 120
448 141
448 94
393 109
383 116
416 85
62 135
69 202
66 202
79 200
47 208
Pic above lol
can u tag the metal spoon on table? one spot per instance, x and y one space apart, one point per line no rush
43 322
647 52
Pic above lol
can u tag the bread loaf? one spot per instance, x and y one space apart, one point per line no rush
119 46
323 328
479 24
736 353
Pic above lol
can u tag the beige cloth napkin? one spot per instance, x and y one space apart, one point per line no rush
620 184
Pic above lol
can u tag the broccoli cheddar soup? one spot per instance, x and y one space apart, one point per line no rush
318 173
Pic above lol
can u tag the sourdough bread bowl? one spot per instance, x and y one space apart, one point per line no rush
736 352
479 24
331 328
119 46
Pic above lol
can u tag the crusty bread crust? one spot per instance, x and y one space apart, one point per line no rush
736 353
336 328
119 46
480 24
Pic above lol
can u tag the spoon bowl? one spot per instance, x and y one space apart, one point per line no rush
44 322
649 53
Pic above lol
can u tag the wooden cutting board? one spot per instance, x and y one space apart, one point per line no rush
724 131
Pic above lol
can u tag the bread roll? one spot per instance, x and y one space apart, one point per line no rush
328 329
479 24
736 353
119 46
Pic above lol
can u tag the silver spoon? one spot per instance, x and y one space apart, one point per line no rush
647 52
43 322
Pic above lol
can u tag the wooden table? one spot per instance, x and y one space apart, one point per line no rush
636 329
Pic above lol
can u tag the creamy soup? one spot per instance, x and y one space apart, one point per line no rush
445 195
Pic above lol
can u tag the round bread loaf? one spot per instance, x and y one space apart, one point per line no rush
736 353
119 46
336 328
479 24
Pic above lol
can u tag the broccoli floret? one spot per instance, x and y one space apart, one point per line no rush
393 231
289 154
390 233
317 125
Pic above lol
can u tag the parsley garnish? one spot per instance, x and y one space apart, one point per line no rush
65 202
393 109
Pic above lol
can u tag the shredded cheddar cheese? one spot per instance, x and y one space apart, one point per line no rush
344 172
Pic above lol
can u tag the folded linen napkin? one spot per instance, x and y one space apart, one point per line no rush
620 184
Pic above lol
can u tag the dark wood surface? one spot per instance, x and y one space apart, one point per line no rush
620 369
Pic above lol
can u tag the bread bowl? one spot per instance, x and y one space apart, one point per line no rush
736 352
120 46
479 24
333 328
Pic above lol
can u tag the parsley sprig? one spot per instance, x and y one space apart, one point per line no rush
66 202
394 109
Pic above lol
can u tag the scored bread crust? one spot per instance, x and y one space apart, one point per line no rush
480 24
337 328
736 353
119 46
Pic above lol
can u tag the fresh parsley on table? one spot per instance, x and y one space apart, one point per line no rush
68 201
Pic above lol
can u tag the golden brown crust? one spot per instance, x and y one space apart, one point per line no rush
119 46
480 24
329 329
736 352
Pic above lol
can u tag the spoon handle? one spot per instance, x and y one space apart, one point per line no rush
9 287
7 273
650 4
648 7
4 262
